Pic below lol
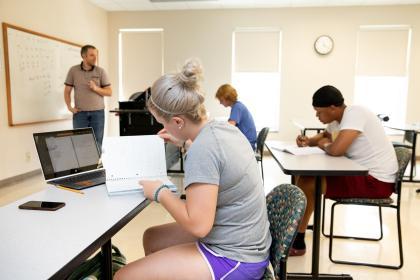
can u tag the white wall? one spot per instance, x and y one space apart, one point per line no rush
78 21
208 35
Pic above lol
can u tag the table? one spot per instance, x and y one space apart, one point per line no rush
305 125
415 129
51 244
315 165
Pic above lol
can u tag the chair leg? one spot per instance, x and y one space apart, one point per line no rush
283 270
262 171
400 245
349 236
332 236
323 218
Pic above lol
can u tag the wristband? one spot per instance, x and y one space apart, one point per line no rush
156 193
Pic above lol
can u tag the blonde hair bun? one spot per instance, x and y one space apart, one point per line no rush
191 74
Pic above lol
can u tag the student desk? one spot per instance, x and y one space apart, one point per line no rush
415 129
51 244
316 165
305 125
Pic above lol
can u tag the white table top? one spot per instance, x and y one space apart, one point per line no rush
37 244
315 165
405 127
308 124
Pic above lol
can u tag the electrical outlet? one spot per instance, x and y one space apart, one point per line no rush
28 156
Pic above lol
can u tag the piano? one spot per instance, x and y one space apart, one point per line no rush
135 119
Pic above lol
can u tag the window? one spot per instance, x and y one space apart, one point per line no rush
256 73
140 60
381 81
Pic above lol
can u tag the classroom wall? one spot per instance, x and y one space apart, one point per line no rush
208 35
78 21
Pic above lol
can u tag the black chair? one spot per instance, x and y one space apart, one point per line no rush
403 157
262 135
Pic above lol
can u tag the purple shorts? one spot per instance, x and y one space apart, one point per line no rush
222 268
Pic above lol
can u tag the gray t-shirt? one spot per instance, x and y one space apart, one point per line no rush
221 155
86 99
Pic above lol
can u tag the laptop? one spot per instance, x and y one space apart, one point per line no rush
70 158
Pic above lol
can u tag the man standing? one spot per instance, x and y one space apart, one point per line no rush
90 84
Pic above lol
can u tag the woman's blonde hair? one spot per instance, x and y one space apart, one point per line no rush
227 92
179 94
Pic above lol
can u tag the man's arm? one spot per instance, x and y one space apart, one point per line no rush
67 99
232 122
341 143
105 91
303 141
313 141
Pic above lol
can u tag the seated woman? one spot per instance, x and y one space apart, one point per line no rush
239 113
357 133
222 227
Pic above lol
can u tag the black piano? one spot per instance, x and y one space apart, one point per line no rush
135 119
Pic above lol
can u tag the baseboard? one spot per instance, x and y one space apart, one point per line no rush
20 177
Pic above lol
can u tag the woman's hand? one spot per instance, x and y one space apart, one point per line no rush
167 137
149 187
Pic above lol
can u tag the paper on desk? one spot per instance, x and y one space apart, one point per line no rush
295 150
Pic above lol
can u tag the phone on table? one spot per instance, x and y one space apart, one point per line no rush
42 205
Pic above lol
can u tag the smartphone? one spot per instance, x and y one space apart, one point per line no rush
42 205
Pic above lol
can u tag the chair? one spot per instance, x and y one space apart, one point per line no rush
403 157
286 205
262 135
407 142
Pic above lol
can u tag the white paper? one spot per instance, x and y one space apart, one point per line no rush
298 151
129 159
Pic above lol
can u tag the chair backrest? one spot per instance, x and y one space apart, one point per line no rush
262 135
403 158
409 136
286 205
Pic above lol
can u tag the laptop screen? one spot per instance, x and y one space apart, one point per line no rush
67 152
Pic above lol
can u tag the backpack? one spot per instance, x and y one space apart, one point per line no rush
92 268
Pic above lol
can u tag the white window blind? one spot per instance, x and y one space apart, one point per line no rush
382 51
140 60
256 74
257 51
381 81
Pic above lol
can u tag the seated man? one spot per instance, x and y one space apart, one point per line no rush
357 133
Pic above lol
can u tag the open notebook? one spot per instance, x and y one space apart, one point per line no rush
129 159
295 150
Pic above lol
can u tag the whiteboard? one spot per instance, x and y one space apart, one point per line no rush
36 67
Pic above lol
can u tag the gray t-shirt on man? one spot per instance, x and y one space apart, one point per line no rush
221 155
86 99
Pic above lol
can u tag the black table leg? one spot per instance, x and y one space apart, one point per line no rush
107 260
316 241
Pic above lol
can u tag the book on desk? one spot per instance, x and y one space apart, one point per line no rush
129 159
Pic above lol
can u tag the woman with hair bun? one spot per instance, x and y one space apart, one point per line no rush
221 230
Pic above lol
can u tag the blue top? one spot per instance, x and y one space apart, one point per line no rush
244 121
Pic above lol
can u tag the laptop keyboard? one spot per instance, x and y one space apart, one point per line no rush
83 180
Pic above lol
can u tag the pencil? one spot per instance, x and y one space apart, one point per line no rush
68 189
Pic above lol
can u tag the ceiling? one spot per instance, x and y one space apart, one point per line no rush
147 5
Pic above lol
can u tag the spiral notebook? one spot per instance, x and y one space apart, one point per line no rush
129 159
